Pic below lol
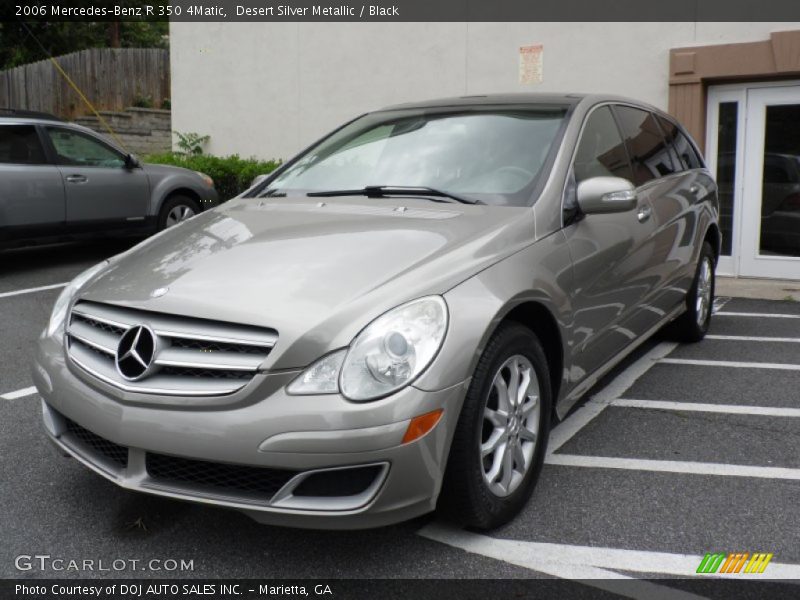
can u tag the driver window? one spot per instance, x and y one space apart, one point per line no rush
601 150
78 149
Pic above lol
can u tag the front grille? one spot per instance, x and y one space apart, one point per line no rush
252 482
97 445
190 357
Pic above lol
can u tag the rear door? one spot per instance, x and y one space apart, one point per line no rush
678 216
31 190
99 188
611 253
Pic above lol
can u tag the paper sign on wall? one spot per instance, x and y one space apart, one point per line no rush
530 64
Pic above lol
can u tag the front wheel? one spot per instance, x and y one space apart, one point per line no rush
175 210
500 440
693 324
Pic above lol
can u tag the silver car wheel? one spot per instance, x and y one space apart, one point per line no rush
510 426
179 214
703 295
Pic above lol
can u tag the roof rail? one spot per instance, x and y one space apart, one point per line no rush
28 114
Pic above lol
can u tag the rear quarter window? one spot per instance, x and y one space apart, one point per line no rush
20 145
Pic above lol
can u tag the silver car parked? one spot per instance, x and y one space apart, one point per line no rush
59 180
392 321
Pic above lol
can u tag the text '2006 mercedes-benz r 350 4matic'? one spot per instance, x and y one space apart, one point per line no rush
391 322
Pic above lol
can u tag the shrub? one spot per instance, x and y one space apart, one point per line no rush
231 174
142 101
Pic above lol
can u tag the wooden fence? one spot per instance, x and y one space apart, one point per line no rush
111 78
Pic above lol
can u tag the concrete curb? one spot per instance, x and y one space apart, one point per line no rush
764 289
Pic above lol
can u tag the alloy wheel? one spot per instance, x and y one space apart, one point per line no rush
510 426
703 295
179 214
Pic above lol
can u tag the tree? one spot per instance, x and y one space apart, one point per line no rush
18 47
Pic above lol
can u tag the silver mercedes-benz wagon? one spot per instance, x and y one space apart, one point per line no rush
391 322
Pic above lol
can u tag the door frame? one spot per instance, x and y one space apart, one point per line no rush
745 260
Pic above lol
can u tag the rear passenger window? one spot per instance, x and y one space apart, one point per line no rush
671 131
20 145
601 151
649 152
686 151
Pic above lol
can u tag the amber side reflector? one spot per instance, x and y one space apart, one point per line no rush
421 425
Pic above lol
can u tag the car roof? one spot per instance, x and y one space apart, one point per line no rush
568 100
492 100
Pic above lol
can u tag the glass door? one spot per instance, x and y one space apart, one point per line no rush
725 157
770 232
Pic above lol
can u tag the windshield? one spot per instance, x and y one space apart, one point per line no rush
489 155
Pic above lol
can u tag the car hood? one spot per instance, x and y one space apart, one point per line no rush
316 271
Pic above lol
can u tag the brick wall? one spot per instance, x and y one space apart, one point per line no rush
141 130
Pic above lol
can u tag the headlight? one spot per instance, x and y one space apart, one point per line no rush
387 355
394 349
62 304
206 179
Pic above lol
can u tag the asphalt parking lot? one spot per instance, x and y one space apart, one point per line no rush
683 450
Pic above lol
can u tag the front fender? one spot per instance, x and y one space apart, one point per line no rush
162 185
540 273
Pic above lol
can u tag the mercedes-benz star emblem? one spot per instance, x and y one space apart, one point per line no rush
135 352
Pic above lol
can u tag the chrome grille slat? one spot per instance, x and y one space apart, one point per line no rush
103 369
177 326
183 357
192 357
94 337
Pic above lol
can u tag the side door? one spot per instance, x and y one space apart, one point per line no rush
99 187
678 216
660 184
31 190
611 253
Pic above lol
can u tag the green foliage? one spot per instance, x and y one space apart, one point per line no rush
18 47
231 174
142 101
191 143
166 104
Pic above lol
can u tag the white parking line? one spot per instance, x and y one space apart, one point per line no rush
43 288
751 338
672 466
761 315
18 393
555 559
565 430
730 363
730 409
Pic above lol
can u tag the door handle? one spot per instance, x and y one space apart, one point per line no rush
644 213
77 179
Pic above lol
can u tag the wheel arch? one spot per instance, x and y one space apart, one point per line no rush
179 191
535 316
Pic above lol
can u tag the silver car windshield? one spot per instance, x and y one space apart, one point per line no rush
486 156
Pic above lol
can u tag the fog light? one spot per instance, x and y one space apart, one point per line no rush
421 425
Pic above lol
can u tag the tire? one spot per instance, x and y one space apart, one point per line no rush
175 210
469 496
693 324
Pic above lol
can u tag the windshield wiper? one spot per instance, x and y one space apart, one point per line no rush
271 193
383 191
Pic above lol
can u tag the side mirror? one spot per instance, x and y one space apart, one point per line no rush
606 195
131 162
257 179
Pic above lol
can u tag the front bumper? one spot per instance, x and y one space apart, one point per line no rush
266 431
